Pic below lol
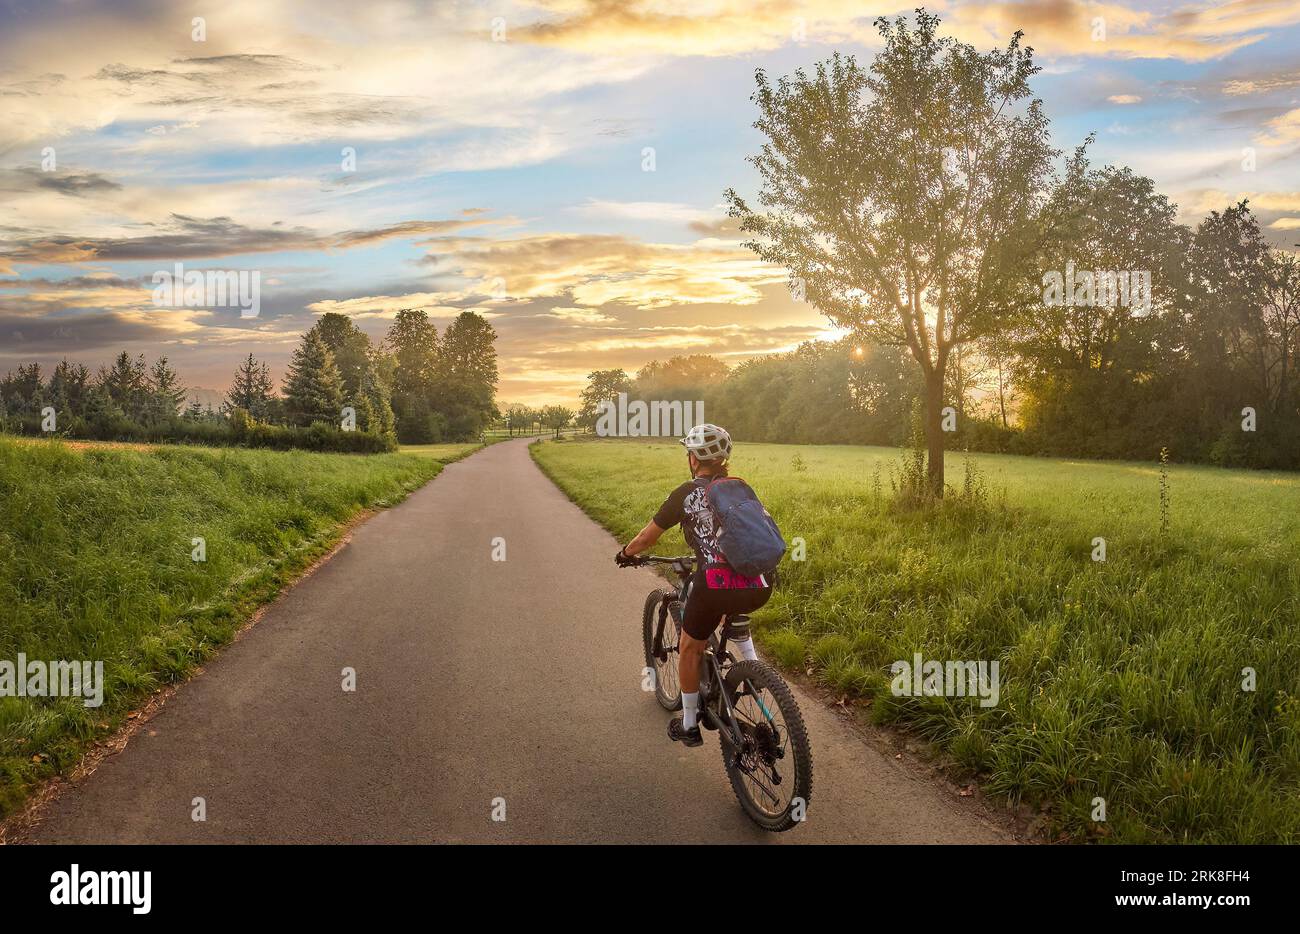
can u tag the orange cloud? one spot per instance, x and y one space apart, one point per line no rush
602 269
1057 27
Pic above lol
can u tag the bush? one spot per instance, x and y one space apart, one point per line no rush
986 434
422 427
240 429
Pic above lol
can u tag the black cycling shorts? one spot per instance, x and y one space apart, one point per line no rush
705 608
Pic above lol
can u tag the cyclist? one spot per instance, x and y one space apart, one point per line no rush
715 590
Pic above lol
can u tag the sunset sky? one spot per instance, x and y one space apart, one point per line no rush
505 173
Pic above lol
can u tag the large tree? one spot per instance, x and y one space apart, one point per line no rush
350 347
680 378
1245 311
556 417
413 343
602 386
1093 358
373 400
466 375
166 391
126 383
1282 315
313 391
252 388
905 198
24 392
1243 319
69 385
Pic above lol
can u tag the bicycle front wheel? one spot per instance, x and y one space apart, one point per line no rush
668 690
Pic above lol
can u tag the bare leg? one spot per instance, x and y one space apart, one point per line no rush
691 651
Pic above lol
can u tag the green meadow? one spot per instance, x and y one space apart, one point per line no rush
1120 680
97 563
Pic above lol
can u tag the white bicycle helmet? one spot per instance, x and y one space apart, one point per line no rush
708 442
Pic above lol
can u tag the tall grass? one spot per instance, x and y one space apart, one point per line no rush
1120 680
96 564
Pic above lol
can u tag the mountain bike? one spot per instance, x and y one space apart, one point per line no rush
763 738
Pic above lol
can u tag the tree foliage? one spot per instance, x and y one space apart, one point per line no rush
907 198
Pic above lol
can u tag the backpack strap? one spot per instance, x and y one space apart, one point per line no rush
708 494
708 488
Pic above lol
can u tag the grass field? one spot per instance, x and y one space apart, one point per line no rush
443 453
1120 680
96 564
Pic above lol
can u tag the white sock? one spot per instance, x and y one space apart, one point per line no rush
690 708
746 649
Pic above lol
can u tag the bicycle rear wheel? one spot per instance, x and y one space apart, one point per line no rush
772 776
668 690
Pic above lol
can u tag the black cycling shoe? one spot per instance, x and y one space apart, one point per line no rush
679 734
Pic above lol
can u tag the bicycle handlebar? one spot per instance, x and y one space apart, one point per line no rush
684 565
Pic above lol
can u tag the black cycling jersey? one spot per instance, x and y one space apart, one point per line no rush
689 505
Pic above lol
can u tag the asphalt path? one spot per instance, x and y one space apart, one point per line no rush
484 689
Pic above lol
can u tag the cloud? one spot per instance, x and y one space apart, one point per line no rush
76 185
1055 27
1262 84
1275 210
387 306
642 211
322 69
682 27
580 315
408 229
1071 27
551 347
600 269
183 237
1124 99
1281 130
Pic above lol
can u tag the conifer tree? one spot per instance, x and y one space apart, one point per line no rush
313 391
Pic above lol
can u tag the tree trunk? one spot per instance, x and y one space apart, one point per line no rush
1002 398
934 430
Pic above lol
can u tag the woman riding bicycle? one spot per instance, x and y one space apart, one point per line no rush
716 589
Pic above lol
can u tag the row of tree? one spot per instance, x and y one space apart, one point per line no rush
413 386
127 390
518 418
1209 367
918 203
823 392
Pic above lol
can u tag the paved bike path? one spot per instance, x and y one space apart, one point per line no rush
475 680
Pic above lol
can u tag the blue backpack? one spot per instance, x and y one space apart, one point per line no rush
747 534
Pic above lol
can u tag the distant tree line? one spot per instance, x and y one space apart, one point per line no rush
341 392
956 230
520 419
823 392
1207 367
